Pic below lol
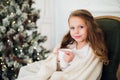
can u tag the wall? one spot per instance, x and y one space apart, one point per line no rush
55 13
45 23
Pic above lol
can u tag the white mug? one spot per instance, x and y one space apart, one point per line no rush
63 63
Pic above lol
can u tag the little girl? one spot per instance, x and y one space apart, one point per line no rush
84 59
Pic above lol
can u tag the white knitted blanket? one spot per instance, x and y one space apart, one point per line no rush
89 69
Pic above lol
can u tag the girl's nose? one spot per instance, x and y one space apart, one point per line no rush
77 31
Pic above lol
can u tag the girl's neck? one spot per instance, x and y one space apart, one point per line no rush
80 45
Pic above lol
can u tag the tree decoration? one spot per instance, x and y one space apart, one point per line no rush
20 42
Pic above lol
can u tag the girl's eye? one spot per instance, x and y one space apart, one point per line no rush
71 27
81 26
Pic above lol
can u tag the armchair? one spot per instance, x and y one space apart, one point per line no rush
111 28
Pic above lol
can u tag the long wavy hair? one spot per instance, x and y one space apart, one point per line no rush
95 35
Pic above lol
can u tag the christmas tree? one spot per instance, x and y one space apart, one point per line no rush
20 42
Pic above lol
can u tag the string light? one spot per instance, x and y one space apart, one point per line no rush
8 40
38 58
29 61
38 54
21 50
34 47
18 29
13 22
29 21
16 49
23 45
11 13
8 2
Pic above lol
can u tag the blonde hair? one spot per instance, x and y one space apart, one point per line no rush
95 35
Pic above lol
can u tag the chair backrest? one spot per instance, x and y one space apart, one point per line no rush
111 28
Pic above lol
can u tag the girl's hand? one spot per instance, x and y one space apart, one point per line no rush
68 56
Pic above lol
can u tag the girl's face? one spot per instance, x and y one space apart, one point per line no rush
78 29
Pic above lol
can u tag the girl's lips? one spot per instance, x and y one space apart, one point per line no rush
77 36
